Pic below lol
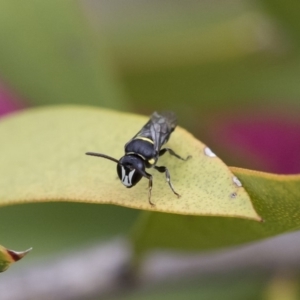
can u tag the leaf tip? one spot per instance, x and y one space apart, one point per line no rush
17 255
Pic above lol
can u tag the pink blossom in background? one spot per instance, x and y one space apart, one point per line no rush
9 102
271 139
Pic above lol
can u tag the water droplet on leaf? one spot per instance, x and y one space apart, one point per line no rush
236 181
208 152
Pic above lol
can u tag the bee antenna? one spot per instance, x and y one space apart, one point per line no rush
102 155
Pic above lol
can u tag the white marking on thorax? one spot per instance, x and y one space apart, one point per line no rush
144 139
133 153
126 179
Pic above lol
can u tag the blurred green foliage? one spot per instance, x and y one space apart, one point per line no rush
236 286
50 55
56 227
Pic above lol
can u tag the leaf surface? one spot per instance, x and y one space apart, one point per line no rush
43 159
275 197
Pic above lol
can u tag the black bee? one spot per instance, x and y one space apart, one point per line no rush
143 151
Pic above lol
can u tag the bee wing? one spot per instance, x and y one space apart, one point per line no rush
162 125
158 128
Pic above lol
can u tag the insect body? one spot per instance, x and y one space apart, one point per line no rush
143 151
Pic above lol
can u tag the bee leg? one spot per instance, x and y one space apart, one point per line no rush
164 150
150 189
149 177
163 169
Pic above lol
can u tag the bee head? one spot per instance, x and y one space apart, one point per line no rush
130 169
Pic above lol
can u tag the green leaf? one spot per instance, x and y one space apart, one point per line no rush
44 160
275 197
7 257
51 54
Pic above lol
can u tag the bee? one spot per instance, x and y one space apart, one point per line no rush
143 151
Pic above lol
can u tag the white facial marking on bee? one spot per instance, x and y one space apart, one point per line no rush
126 179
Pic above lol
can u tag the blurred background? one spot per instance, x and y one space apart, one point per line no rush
230 69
